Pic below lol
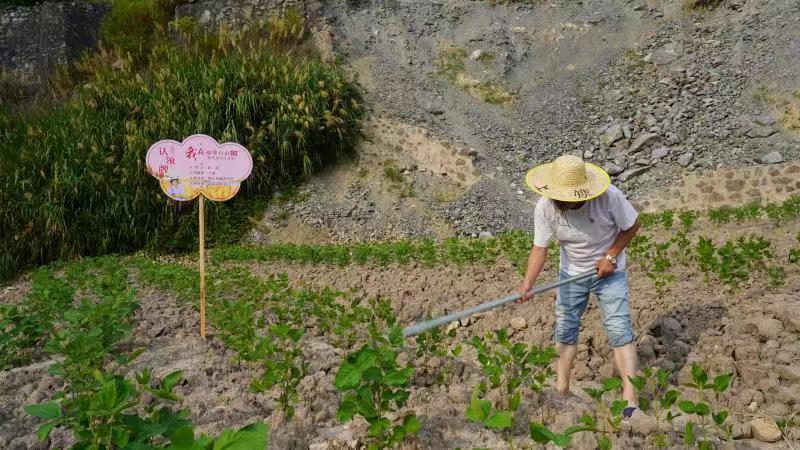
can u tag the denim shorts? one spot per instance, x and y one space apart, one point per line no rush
612 295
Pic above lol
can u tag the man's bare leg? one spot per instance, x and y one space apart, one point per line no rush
566 356
626 360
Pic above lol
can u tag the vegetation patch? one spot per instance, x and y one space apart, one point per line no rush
451 64
72 180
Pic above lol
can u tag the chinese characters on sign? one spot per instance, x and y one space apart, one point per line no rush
199 165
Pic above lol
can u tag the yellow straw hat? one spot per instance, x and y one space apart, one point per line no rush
568 179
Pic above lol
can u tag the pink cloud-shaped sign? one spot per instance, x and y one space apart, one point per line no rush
199 165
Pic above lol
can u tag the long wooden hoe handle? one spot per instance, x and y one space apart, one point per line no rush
420 327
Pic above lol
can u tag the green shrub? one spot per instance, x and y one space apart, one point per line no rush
72 179
133 26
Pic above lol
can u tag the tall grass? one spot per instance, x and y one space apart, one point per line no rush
72 176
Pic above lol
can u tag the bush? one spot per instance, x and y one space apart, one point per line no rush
72 178
134 26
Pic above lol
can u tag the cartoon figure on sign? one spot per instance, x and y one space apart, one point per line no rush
199 165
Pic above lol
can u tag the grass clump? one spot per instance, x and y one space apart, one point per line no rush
703 4
72 180
451 65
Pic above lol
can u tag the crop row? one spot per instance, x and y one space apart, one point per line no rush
103 409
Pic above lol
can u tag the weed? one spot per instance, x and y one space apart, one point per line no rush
702 4
608 418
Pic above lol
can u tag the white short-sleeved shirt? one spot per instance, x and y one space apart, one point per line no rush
584 234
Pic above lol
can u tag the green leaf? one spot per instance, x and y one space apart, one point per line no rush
477 411
366 358
182 439
638 382
688 434
44 431
705 445
562 440
687 407
612 384
702 409
251 437
171 380
500 420
604 442
540 433
720 417
699 374
398 377
669 399
372 374
347 409
721 383
644 404
411 424
49 410
347 377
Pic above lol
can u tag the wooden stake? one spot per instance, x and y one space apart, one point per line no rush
202 267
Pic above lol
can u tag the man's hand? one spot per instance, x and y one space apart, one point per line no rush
604 268
524 290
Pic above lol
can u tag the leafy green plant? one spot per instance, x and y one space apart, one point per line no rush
699 433
543 435
656 398
510 368
608 418
71 173
482 411
373 385
117 413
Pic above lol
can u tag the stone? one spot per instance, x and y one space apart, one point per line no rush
659 152
485 235
769 328
641 423
475 55
632 173
765 430
670 328
613 95
666 54
613 169
452 326
612 134
685 159
519 323
752 407
432 107
773 157
642 141
763 120
760 132
741 431
790 372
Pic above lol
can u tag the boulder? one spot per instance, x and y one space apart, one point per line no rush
613 169
642 141
632 173
769 327
773 157
611 135
659 152
790 372
685 159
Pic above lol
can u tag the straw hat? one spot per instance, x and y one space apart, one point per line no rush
568 179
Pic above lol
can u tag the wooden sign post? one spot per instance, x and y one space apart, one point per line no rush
199 167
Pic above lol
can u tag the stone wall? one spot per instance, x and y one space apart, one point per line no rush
233 14
33 40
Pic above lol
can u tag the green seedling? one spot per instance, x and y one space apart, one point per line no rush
655 397
374 385
511 367
543 435
118 413
699 433
608 419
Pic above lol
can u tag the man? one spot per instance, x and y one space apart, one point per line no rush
593 222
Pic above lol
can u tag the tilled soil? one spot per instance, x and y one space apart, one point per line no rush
753 333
